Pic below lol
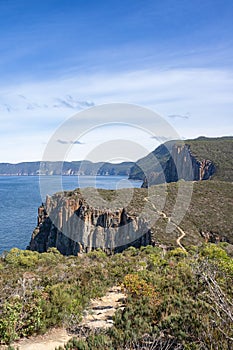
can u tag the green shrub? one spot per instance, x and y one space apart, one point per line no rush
24 258
213 251
177 253
97 254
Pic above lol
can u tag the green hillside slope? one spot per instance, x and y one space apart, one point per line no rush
219 151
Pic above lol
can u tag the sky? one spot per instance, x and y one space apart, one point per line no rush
62 57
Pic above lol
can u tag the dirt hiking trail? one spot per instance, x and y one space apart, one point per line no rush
99 315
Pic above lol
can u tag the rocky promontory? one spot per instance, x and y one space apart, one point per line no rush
191 160
82 220
66 221
181 164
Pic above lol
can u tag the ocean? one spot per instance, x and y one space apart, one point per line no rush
20 197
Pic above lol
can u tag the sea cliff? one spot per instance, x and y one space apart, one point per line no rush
67 222
196 160
181 164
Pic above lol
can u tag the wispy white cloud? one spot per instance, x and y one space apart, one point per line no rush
73 103
64 142
35 110
20 102
205 86
179 116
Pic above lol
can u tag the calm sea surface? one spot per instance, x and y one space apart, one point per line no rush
20 197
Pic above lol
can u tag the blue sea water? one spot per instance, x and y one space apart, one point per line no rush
20 197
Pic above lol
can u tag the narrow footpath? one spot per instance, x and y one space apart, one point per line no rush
163 215
99 315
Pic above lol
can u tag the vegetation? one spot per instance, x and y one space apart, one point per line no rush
210 209
177 300
219 151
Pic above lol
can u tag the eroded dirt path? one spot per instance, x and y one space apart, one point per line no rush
163 215
99 315
49 341
183 234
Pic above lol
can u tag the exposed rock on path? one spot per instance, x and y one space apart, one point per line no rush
101 311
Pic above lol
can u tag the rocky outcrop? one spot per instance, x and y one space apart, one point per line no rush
213 237
181 164
100 312
68 223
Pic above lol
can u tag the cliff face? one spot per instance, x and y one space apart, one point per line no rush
181 164
72 226
199 159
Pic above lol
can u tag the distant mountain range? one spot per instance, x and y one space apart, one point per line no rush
65 168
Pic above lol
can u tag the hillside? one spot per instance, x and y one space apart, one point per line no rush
199 159
65 168
219 151
210 210
76 221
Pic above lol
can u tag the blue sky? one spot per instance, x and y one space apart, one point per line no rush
58 57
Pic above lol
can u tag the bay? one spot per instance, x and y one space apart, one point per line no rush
20 197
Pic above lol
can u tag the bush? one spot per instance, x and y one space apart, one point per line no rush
24 258
177 253
138 288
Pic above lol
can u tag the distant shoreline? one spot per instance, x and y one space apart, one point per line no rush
79 168
4 175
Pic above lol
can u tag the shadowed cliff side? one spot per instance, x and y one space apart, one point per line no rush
191 160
